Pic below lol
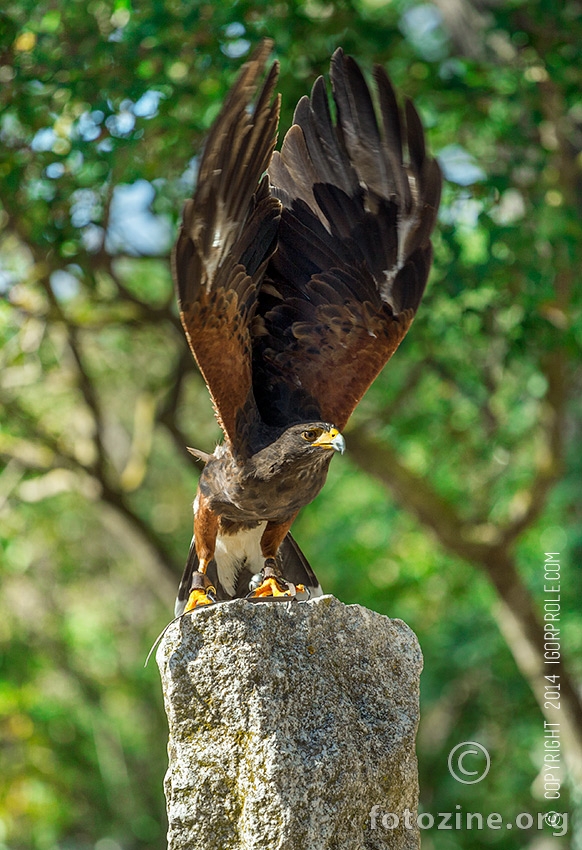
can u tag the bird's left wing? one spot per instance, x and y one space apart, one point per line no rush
360 198
228 233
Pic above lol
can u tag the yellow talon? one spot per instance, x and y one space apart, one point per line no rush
200 597
273 587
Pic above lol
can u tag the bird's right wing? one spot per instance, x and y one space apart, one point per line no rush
228 233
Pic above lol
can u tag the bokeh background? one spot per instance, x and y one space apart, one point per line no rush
463 464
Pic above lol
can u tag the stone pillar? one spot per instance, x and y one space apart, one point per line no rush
292 726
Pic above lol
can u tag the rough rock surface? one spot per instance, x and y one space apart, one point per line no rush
288 723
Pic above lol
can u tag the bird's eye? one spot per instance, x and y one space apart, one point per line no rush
311 435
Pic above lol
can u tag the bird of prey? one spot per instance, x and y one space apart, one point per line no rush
298 274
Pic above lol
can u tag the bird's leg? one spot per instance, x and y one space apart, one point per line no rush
273 583
202 591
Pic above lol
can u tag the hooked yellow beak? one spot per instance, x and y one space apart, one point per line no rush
331 439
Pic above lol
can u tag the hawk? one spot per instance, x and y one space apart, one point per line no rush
298 274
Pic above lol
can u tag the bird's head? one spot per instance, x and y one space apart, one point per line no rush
319 436
304 448
295 465
316 441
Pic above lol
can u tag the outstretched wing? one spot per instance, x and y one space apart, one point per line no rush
354 248
228 233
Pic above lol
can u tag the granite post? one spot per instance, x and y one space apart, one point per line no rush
292 726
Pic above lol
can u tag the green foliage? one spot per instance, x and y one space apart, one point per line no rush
479 410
